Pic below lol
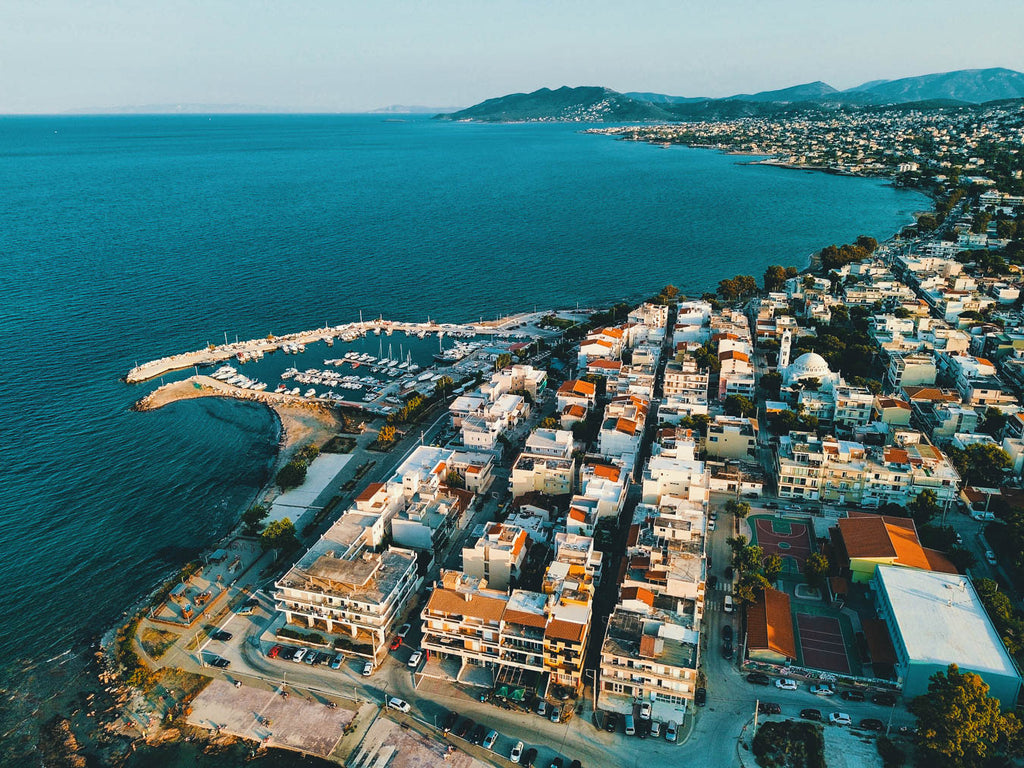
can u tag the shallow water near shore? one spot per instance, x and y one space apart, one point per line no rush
127 238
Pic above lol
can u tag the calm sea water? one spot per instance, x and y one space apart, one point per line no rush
127 238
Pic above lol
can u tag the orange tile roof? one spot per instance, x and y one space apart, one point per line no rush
983 361
733 354
524 619
607 472
577 387
937 561
626 426
638 593
770 626
565 630
369 491
896 455
452 603
610 365
577 515
575 410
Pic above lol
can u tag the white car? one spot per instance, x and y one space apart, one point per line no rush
839 718
990 557
367 669
403 631
517 752
645 710
822 690
400 704
711 525
299 655
785 684
492 736
414 660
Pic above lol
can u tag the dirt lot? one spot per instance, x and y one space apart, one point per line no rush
388 743
264 716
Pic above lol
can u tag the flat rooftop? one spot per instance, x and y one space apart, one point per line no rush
942 620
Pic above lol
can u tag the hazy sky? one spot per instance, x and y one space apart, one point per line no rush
334 55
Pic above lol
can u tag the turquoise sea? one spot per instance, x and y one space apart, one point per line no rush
127 238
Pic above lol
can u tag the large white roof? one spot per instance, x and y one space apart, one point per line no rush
942 620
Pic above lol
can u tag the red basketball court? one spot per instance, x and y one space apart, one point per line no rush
790 540
822 644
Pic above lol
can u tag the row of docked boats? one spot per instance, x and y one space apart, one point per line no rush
229 375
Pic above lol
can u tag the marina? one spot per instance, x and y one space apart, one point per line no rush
385 361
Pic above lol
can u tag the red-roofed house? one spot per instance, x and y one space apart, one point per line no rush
770 636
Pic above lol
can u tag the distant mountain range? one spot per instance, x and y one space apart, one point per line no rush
595 104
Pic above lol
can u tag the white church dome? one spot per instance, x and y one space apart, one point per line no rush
809 365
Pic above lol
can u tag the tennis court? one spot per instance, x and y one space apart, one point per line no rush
821 643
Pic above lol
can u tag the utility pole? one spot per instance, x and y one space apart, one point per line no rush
757 708
888 725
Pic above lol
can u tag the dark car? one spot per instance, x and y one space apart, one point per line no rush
287 653
852 695
712 581
701 697
727 650
575 764
464 728
872 724
885 698
769 708
727 632
528 757
728 572
643 728
220 663
611 724
771 505
449 721
758 678
556 763
220 634
810 714
477 736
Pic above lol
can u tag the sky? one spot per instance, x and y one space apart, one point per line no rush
341 56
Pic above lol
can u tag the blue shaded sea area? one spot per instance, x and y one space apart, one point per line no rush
124 239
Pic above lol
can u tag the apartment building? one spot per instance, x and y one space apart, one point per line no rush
683 379
732 437
497 556
623 427
545 465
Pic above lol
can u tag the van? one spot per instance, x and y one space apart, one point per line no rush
728 604
630 726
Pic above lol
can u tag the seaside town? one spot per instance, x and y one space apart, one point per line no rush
918 145
788 514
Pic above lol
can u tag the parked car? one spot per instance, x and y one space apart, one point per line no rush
810 714
542 708
727 604
645 710
337 661
990 557
643 728
758 678
287 653
839 718
700 698
713 514
785 684
885 698
220 663
464 727
403 631
822 690
769 708
400 704
655 729
727 650
671 731
711 525
449 722
367 668
272 653
528 757
611 724
959 539
396 643
872 724
221 635
771 505
516 753
727 632
414 660
556 763
477 736
300 654
575 764
728 572
310 657
556 714
852 695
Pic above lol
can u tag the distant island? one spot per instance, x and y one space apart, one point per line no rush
598 104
